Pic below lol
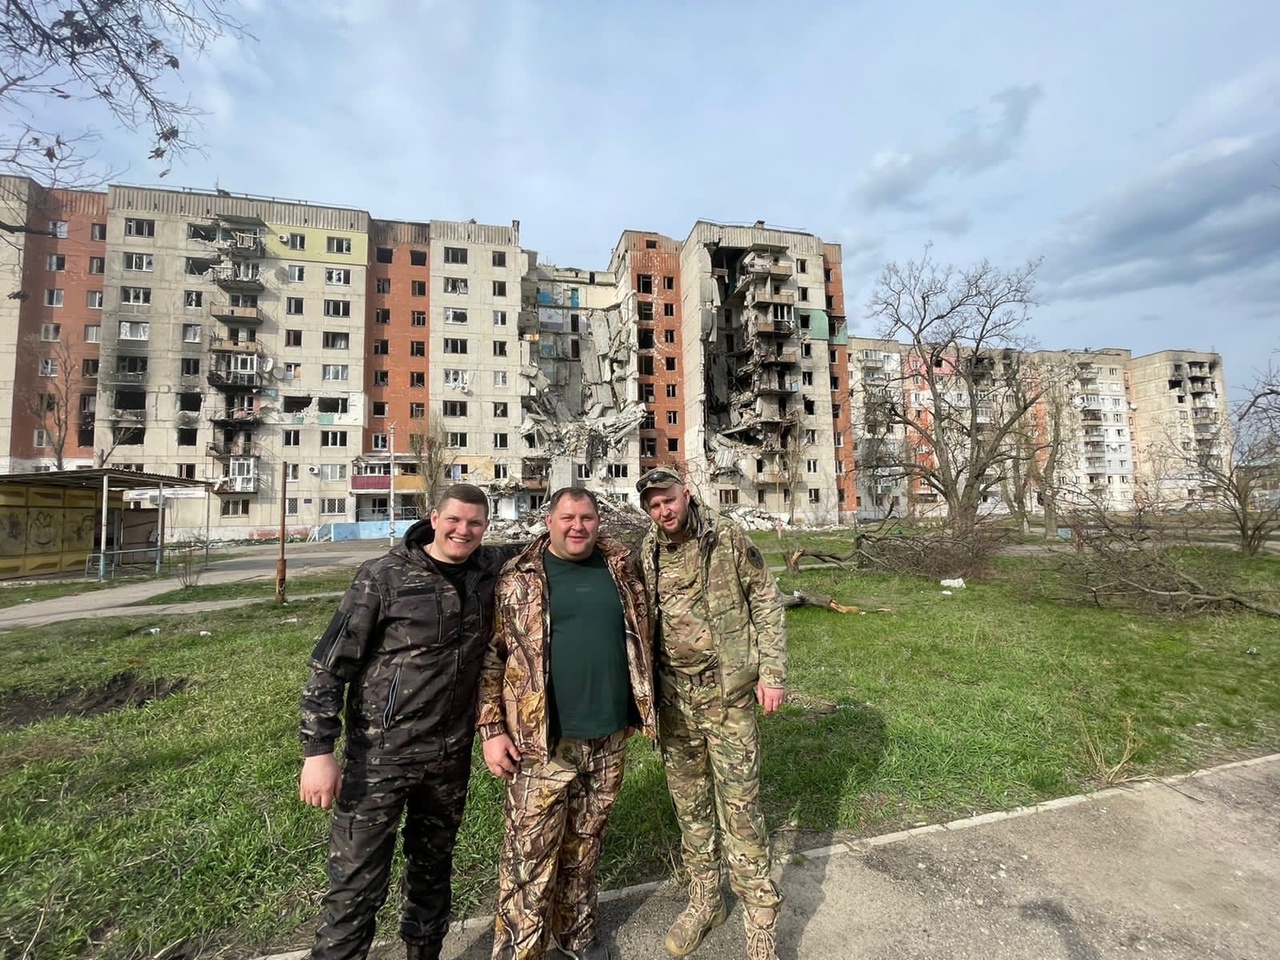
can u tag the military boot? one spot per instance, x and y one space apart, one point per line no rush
762 941
704 913
422 951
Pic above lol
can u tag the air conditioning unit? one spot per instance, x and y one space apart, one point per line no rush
313 470
283 237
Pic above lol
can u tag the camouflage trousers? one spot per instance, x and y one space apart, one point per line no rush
431 795
556 814
711 751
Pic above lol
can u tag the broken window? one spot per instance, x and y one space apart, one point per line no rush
648 422
385 254
500 410
673 445
418 258
802 266
673 417
645 311
618 471
645 366
670 363
649 447
651 244
455 255
189 402
802 294
417 411
455 408
644 282
296 404
332 405
381 378
186 437
668 283
646 393
382 285
809 406
645 339
668 309
728 498
669 336
379 408
671 390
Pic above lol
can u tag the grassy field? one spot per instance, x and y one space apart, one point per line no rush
126 831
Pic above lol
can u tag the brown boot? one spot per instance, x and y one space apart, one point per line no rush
762 942
704 913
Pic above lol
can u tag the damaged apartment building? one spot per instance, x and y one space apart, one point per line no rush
317 360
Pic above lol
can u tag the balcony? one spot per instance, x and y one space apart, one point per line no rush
370 481
115 377
772 477
777 388
780 357
239 244
237 276
223 345
764 293
240 447
236 485
237 416
224 311
778 328
233 380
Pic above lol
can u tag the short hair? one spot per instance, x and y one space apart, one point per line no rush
573 493
464 493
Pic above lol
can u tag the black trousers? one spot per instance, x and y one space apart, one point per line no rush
430 795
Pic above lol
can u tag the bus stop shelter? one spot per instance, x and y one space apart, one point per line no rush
55 522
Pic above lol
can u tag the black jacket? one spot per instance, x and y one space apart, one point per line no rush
407 650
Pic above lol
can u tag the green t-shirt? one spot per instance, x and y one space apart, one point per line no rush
590 685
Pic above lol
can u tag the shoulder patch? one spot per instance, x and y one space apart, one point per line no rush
755 557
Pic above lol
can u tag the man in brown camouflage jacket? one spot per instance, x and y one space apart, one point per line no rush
404 650
721 649
567 678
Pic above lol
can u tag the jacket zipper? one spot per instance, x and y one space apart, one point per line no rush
388 714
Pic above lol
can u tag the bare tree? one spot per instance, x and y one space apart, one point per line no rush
1239 474
53 407
964 385
430 450
114 55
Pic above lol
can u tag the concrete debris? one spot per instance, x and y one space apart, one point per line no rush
956 584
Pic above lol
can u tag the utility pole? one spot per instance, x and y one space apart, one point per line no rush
391 488
281 565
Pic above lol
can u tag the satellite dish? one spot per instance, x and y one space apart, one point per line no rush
268 363
275 373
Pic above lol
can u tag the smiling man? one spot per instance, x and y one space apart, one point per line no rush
722 648
567 677
403 651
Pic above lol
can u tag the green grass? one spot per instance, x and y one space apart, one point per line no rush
178 820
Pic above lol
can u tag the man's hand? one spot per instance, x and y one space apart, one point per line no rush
320 781
501 756
770 697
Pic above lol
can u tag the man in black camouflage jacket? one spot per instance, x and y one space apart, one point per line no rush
403 652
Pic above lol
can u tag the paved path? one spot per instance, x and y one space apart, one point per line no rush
252 563
1182 869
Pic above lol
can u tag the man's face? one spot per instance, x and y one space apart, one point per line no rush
574 526
668 508
459 528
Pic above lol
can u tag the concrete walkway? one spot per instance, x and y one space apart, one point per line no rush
1185 868
251 563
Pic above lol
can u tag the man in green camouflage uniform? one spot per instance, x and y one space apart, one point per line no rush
567 677
404 651
721 649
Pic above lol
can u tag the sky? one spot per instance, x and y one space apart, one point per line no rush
1132 147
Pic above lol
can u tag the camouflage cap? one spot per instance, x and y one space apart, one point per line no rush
659 478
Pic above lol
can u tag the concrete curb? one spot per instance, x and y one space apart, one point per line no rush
865 844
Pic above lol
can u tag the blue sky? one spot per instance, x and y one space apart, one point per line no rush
1135 146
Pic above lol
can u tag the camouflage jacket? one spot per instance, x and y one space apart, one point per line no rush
517 664
738 597
405 650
